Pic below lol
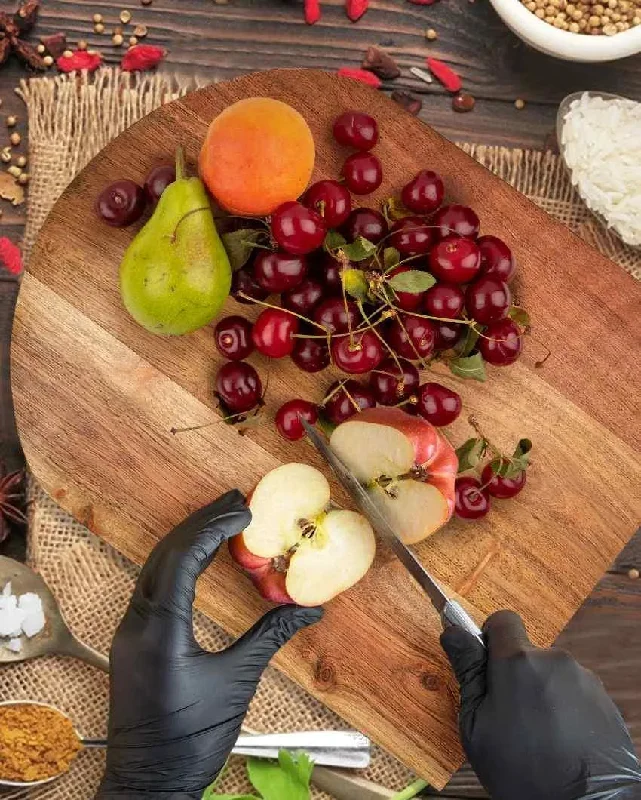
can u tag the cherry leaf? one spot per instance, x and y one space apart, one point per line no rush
355 283
470 367
391 257
239 245
359 249
468 343
325 425
392 210
520 316
413 281
470 453
334 240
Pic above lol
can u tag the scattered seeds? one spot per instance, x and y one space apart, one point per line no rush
117 39
15 171
140 31
5 155
21 161
633 573
23 179
97 18
421 73
519 103
380 63
15 139
125 16
463 102
12 121
82 45
431 34
41 49
48 61
99 28
133 40
410 102
68 54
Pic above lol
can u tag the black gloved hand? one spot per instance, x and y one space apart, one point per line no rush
536 725
176 710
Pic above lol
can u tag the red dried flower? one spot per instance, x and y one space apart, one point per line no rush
79 60
312 11
361 75
356 8
142 57
10 256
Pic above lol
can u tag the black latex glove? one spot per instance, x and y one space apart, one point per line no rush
176 710
536 725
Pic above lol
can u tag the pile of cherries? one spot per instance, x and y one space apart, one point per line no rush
472 494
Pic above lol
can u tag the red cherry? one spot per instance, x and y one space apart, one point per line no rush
408 301
358 353
488 299
455 259
424 193
392 384
121 203
461 220
303 298
471 501
496 258
278 272
238 386
356 129
411 236
233 337
346 398
331 200
365 222
297 229
328 271
501 343
444 300
363 173
336 315
289 415
273 333
243 281
438 405
157 180
448 334
310 355
503 488
412 337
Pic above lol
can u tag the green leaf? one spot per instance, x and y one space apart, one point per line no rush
511 467
470 453
523 449
414 281
334 240
468 343
411 791
325 425
520 316
392 210
286 779
471 367
391 257
359 249
355 283
239 245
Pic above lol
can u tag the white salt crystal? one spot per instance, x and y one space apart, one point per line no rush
8 602
34 620
7 590
15 645
30 602
11 621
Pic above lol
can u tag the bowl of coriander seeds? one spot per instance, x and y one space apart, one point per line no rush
576 30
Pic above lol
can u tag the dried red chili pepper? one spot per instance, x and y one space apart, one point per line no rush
361 75
312 11
142 57
446 75
10 256
79 60
356 8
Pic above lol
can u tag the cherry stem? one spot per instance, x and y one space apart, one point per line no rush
286 310
381 339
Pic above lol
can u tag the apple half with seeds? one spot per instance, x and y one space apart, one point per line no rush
405 463
298 548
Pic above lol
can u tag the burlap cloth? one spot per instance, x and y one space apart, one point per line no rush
70 120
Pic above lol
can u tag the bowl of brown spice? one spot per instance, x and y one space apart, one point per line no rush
37 743
576 30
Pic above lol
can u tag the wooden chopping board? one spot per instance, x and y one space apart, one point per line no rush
96 397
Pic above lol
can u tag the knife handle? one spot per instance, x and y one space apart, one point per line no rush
455 614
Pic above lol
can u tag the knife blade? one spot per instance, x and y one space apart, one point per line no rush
451 612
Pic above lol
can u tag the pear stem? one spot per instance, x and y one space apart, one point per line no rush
180 163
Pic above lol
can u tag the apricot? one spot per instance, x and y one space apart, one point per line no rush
258 153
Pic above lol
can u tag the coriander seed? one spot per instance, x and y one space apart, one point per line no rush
48 61
41 49
12 121
133 41
23 179
633 573
117 39
519 103
15 139
5 155
21 161
67 54
431 34
125 16
97 18
99 28
140 31
82 45
16 172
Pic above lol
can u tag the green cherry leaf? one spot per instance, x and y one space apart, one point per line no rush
359 249
325 425
334 241
355 283
468 343
391 257
413 281
520 316
470 367
470 453
239 245
392 210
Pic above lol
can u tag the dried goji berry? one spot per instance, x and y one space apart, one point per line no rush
361 75
312 11
356 8
10 256
446 75
78 60
142 57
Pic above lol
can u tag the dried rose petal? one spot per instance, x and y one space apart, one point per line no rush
10 256
312 11
79 60
142 57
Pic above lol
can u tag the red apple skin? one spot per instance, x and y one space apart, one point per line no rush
244 557
270 582
431 449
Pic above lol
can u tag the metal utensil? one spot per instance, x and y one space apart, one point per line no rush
345 749
451 612
55 638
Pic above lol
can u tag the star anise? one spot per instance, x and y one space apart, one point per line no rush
14 28
11 498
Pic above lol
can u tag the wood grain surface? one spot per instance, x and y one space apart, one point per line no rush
96 397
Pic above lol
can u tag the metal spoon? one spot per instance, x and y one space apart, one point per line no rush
55 638
346 749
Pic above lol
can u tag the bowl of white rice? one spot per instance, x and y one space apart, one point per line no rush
600 141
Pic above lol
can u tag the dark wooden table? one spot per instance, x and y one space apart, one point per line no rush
216 40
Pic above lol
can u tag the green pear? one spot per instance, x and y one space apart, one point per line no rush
175 275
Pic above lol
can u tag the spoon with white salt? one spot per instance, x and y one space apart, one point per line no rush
55 637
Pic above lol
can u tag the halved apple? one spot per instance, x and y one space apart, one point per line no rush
406 465
297 548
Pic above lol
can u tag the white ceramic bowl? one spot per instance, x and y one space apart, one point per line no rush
563 44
